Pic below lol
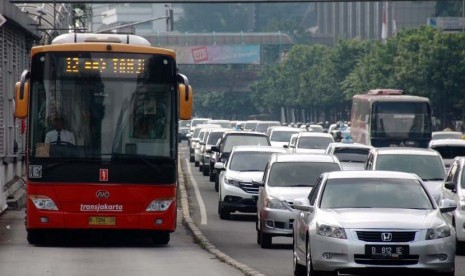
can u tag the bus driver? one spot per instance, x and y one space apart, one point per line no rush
59 135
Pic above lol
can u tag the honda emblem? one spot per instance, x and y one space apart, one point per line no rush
386 237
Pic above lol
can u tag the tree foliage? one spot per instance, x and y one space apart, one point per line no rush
424 61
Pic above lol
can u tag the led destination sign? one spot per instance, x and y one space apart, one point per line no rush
105 66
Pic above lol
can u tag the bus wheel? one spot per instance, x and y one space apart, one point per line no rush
161 238
35 237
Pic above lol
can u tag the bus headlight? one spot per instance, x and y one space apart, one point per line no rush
159 205
43 202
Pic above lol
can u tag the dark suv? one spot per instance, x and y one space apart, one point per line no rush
229 140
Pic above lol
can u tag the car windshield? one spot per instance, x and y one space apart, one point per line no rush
314 142
262 127
295 174
352 155
249 161
214 136
427 167
374 193
281 135
450 152
244 140
185 123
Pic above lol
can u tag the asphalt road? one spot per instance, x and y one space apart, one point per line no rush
237 237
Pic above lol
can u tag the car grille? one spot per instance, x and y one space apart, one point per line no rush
375 236
407 260
249 187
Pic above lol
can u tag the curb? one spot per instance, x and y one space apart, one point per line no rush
198 235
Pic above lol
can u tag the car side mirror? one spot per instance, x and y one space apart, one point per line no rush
450 185
208 151
219 166
285 146
447 205
304 208
258 183
301 202
215 149
188 135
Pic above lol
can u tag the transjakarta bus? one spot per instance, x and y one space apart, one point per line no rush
120 99
386 118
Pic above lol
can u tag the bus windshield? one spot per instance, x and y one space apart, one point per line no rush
400 120
109 103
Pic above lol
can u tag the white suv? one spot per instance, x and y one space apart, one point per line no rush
287 178
236 190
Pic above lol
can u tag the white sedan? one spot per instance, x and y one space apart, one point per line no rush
358 221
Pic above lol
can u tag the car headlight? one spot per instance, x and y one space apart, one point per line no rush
159 205
274 203
439 232
232 182
43 202
331 231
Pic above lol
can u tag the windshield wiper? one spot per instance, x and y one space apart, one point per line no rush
432 179
251 170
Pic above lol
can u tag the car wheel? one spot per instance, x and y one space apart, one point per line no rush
265 240
299 270
460 247
217 183
196 163
200 168
191 159
223 212
161 238
35 237
205 170
452 273
259 234
212 176
309 266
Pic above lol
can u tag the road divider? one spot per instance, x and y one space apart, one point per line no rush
198 235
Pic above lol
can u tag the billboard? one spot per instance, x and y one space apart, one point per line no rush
219 54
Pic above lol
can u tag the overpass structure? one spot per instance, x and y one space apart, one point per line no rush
224 61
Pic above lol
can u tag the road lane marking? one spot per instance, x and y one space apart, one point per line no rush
203 211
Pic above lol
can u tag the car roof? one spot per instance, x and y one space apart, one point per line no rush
304 157
445 132
370 174
245 133
218 129
404 150
447 142
207 126
314 134
257 149
349 145
284 128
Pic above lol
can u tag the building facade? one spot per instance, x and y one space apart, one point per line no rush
153 16
364 20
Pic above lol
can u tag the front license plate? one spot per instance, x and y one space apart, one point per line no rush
387 251
102 220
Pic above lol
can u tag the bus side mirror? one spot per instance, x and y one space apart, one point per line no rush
185 102
22 96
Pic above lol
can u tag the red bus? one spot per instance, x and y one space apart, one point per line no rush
102 113
388 118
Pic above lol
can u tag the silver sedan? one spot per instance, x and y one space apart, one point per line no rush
358 221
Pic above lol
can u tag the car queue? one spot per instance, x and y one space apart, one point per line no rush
441 212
